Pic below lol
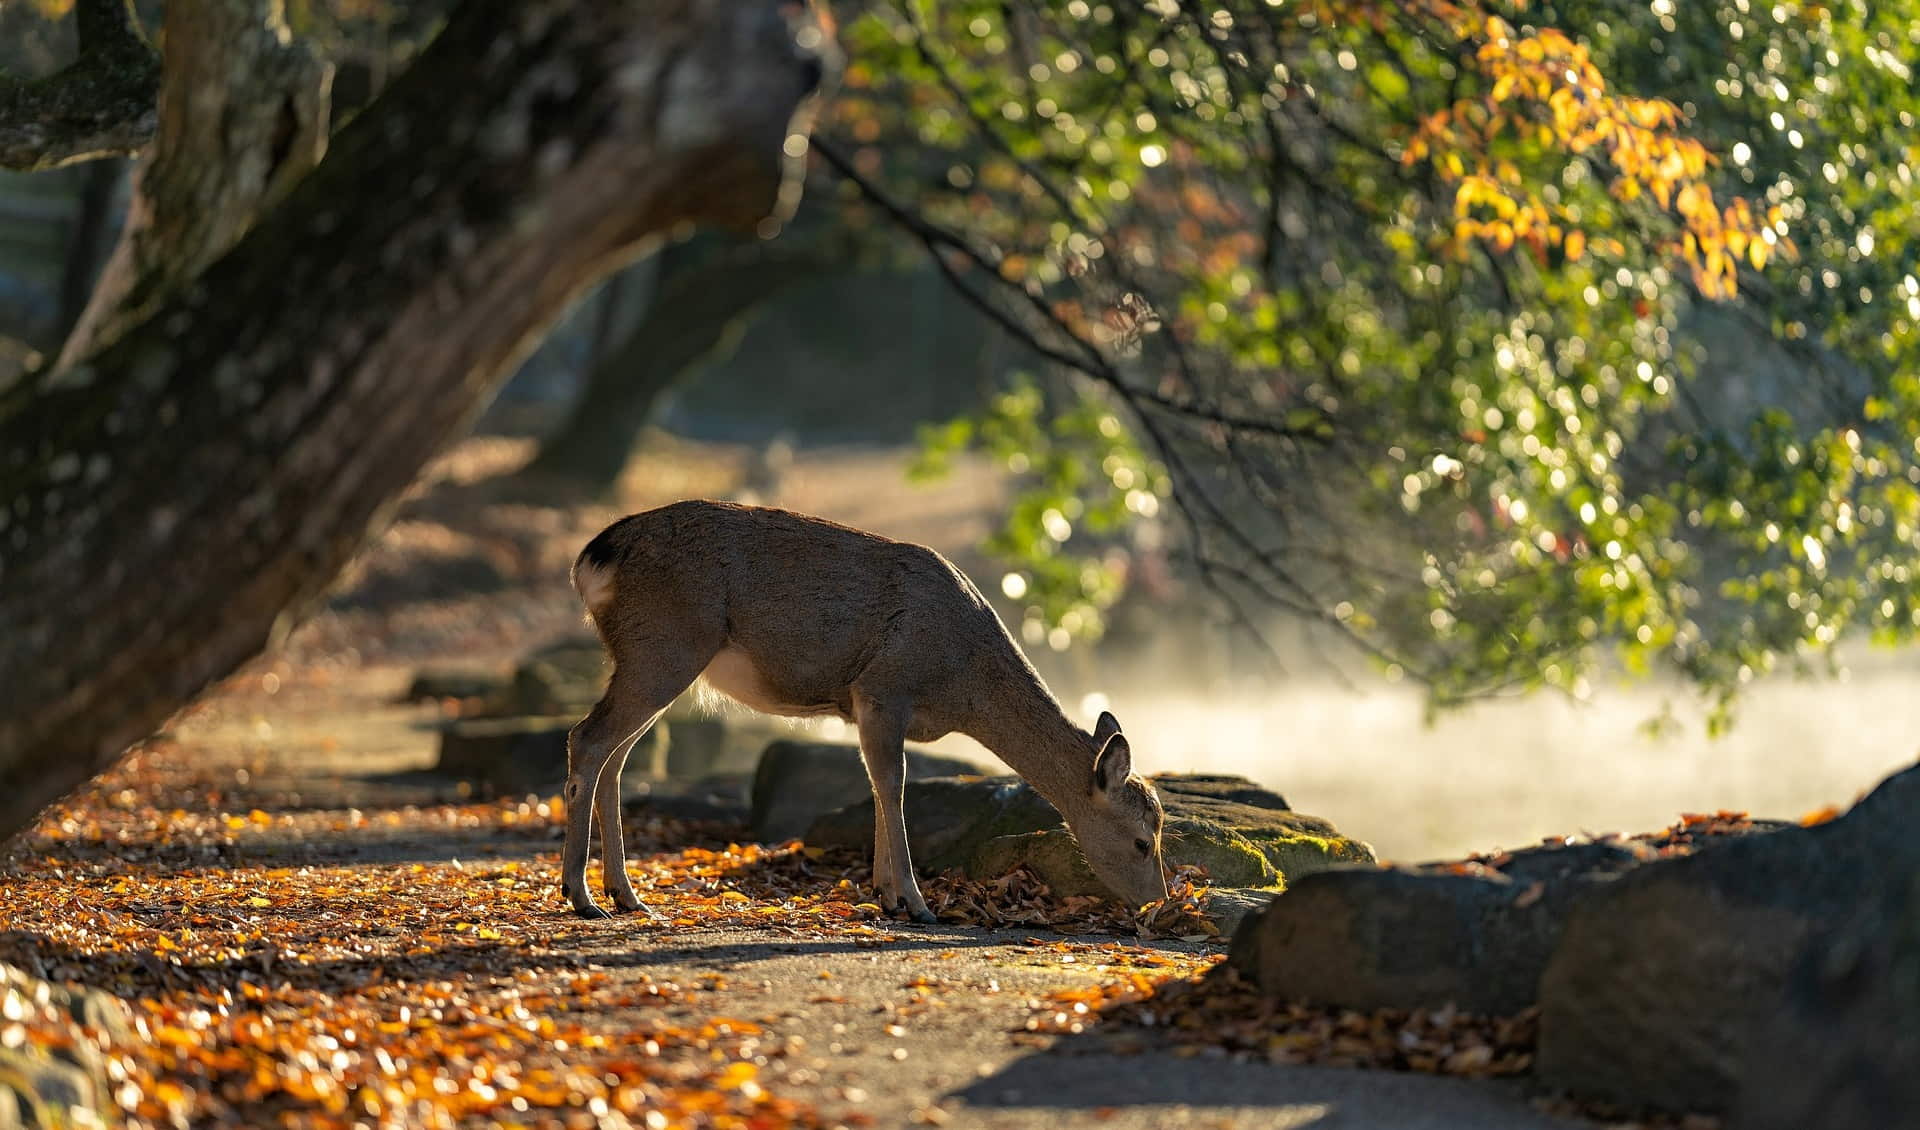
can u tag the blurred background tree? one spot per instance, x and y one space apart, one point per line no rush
1500 339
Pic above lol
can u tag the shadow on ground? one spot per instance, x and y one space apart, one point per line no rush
1335 1098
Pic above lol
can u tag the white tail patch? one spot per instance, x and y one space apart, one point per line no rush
594 583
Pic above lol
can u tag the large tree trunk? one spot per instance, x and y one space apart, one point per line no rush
170 504
703 300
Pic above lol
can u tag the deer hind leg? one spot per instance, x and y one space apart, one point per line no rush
607 811
596 750
883 733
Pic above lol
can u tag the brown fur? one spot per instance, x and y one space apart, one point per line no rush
799 616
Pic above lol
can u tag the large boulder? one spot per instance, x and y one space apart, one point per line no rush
948 818
721 798
1243 835
55 1073
1663 976
797 782
1475 936
1843 1053
1229 859
564 677
1051 856
438 682
528 754
1226 824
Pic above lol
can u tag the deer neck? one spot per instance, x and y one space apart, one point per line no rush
1031 733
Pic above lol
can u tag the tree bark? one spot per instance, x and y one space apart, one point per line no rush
170 505
702 303
100 106
243 116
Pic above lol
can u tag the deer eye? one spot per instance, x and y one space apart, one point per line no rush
1143 847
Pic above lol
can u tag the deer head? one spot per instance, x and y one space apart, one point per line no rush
1119 827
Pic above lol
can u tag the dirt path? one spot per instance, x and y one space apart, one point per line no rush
278 878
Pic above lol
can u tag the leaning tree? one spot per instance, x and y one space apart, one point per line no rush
295 321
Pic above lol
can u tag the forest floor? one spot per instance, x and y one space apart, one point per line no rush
313 931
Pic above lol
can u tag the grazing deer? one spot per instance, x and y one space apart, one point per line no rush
799 616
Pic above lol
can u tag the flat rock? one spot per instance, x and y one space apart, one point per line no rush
1055 859
431 683
797 782
564 677
722 797
1663 976
1242 834
1407 937
529 753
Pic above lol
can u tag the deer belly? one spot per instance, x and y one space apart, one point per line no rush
733 674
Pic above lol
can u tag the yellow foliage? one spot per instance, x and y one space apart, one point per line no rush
1543 83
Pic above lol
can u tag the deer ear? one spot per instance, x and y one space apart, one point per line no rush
1105 728
1112 764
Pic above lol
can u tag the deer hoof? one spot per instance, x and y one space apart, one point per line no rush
627 900
591 911
926 917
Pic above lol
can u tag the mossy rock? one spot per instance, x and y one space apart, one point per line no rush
1229 858
1228 825
1052 856
1056 859
797 782
948 819
1298 851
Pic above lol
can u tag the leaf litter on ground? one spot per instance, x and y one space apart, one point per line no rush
415 966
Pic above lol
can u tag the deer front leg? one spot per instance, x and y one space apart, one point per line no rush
883 732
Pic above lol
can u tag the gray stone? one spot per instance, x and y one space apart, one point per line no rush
1223 788
699 745
797 782
1842 1052
1230 907
1662 977
1239 843
1404 937
1055 859
430 683
564 677
721 798
947 819
1052 856
529 753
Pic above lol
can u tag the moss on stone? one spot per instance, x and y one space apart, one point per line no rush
1296 853
1230 859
